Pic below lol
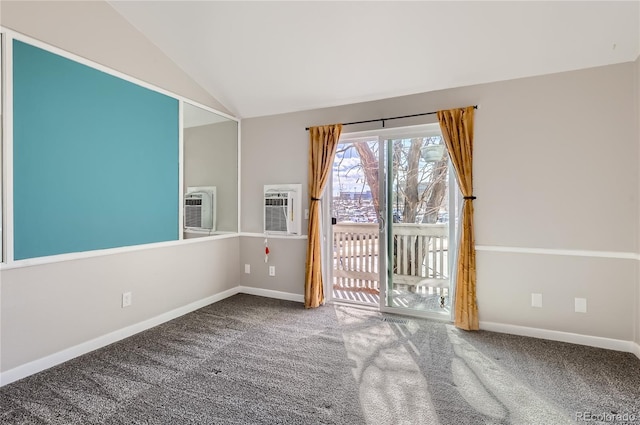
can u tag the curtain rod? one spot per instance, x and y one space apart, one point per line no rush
392 118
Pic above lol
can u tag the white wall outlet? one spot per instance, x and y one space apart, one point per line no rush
247 268
126 299
536 300
272 270
581 305
306 214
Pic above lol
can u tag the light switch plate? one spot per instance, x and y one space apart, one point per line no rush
126 299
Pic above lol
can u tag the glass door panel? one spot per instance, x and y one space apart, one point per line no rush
355 222
418 228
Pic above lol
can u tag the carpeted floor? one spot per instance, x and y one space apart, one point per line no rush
253 360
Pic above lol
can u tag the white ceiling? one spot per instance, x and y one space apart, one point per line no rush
262 58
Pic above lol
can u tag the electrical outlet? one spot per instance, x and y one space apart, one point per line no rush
247 268
272 270
126 299
580 305
536 300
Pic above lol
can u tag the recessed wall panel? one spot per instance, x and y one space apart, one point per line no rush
95 160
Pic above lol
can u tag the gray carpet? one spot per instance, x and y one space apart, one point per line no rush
253 360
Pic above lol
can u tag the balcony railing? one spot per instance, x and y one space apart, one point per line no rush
420 256
355 257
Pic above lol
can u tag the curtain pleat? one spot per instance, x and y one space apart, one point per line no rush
457 129
323 142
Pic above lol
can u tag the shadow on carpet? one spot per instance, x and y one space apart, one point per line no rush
254 360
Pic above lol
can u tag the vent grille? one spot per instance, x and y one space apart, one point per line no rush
393 320
193 212
200 208
275 210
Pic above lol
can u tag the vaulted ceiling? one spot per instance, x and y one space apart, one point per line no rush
262 58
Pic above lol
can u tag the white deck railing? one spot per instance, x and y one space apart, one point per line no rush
355 257
420 256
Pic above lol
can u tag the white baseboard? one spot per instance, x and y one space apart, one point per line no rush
593 341
49 361
54 359
269 293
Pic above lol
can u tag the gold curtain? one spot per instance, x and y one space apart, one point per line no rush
457 129
323 142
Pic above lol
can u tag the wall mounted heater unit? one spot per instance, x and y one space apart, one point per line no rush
282 209
200 208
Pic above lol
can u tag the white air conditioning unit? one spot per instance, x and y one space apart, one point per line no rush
282 209
200 208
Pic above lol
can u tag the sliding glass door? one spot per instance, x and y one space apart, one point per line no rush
393 208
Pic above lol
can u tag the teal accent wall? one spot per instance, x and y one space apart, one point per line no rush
95 158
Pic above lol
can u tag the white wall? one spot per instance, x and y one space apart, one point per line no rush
287 255
556 161
95 31
49 308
